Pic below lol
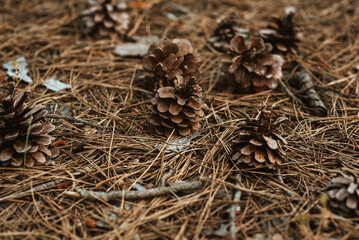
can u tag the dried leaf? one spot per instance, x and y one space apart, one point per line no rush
55 85
131 49
18 69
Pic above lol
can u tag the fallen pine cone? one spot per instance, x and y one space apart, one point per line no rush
282 34
343 195
177 108
168 59
107 17
257 144
24 132
251 65
226 30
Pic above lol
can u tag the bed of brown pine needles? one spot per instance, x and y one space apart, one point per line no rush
123 150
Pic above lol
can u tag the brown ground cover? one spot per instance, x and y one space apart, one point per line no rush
122 151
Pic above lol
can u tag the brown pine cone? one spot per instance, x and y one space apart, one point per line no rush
257 143
282 34
177 107
250 64
343 195
167 59
107 17
227 29
15 119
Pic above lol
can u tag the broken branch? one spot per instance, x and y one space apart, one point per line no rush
302 81
73 119
233 209
34 189
289 92
136 195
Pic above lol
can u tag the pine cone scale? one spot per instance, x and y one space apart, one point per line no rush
12 136
45 150
6 154
33 149
175 108
39 157
17 161
21 147
351 202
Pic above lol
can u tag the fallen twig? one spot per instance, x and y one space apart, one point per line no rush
73 119
289 93
233 209
282 182
164 178
178 8
135 195
302 81
34 189
244 114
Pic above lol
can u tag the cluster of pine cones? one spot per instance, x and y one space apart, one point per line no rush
176 106
252 64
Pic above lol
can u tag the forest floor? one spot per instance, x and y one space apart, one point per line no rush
119 150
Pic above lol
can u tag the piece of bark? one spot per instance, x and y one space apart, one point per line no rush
303 83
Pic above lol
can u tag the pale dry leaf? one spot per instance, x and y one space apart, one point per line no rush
18 69
55 85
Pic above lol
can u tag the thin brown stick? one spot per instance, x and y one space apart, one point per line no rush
289 93
164 178
233 209
73 119
244 114
136 195
282 182
35 189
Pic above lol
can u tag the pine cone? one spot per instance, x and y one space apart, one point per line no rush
177 108
167 59
15 118
173 66
107 17
227 29
257 143
282 34
251 65
343 195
